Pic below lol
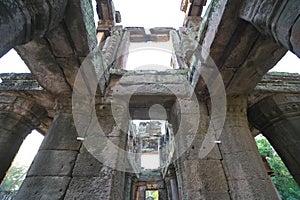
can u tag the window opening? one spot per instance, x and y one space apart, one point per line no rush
148 139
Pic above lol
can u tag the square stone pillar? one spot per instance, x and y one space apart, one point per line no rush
130 186
198 178
66 168
233 169
162 191
97 173
245 172
51 171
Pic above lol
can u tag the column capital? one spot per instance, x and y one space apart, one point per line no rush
274 108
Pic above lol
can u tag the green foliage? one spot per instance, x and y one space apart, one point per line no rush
284 182
152 193
14 179
155 195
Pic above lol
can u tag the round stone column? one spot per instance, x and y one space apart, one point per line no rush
278 118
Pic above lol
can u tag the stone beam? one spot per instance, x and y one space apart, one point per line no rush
146 88
18 82
18 117
56 57
275 83
21 21
278 19
43 65
157 34
239 51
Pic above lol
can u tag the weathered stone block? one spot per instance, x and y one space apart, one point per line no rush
53 163
204 175
62 134
87 166
70 66
43 65
252 189
90 188
213 196
190 194
295 37
194 152
236 139
108 150
59 42
244 165
286 21
37 188
80 24
188 106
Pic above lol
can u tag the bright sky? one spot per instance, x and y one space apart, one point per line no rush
29 149
144 13
154 13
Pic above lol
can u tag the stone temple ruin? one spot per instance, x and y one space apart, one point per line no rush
100 120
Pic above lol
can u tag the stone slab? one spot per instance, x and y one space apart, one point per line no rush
87 166
62 134
43 188
253 189
53 163
204 176
89 188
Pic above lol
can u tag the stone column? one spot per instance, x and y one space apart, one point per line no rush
64 167
123 51
233 169
173 183
133 188
198 178
245 172
162 192
18 117
129 186
168 187
96 172
21 21
111 46
278 117
50 174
